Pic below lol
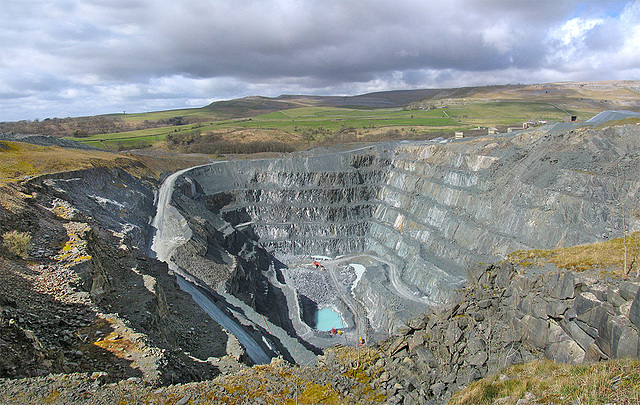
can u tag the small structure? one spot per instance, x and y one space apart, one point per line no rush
570 118
459 134
492 131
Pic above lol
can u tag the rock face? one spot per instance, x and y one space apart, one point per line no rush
429 209
88 298
506 316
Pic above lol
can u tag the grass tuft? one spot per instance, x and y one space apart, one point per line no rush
614 381
604 255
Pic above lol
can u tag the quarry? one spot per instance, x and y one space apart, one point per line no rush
381 233
401 246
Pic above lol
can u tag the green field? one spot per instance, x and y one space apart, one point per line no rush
293 121
511 112
301 121
303 126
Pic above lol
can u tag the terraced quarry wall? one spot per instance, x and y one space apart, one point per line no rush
445 207
432 209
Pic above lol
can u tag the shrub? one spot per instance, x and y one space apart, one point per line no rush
18 243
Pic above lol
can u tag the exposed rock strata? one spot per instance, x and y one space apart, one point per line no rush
429 209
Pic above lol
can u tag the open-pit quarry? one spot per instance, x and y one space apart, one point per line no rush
377 234
165 293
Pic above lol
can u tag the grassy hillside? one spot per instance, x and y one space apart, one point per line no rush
20 160
619 256
299 121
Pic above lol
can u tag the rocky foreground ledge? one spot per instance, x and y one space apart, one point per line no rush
508 314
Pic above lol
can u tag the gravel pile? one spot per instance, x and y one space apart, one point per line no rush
311 283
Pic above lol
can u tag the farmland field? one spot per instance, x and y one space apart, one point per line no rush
293 122
307 121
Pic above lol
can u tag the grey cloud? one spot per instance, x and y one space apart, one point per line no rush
308 46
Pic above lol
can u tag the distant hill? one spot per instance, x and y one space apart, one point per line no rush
301 120
609 95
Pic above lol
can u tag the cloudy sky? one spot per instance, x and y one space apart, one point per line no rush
63 58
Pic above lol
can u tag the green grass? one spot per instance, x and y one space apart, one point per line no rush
511 112
609 255
614 381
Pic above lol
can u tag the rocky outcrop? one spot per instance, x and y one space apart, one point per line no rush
508 315
88 298
114 198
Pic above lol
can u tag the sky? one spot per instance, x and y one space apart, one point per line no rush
61 58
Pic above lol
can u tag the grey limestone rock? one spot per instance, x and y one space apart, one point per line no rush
503 275
562 286
614 297
584 302
453 334
580 336
565 351
556 308
416 323
629 290
476 271
634 313
618 338
477 359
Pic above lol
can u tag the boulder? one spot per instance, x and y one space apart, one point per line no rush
565 351
556 308
594 354
539 308
475 272
618 338
437 389
452 334
416 323
535 330
478 359
580 336
520 286
425 357
474 346
614 297
629 290
562 286
417 340
503 275
398 344
634 313
584 302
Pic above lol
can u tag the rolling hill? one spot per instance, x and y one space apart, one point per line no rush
294 122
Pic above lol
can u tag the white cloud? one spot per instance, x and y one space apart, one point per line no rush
500 36
574 31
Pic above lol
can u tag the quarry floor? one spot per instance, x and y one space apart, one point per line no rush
333 284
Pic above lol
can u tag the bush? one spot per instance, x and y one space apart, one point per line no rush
18 243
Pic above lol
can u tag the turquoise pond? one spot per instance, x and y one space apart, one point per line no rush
327 318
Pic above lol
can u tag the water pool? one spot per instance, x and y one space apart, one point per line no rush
327 318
